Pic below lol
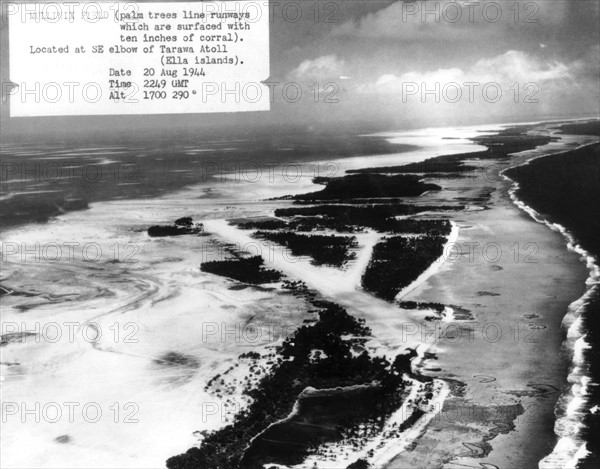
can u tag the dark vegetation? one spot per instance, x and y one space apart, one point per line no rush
430 227
381 218
298 368
248 270
149 176
261 224
182 226
439 164
332 416
397 261
302 224
362 201
359 464
354 213
438 307
378 217
364 186
308 224
324 250
500 146
323 354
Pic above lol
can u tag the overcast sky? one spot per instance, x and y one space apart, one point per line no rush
374 59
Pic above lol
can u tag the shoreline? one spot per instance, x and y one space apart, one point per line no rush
421 279
435 265
572 405
387 320
498 444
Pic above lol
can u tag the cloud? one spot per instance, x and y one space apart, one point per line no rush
518 66
503 86
588 66
322 68
455 20
505 69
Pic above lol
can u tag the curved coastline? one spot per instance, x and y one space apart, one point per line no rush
572 405
379 313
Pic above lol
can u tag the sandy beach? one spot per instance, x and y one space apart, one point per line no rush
516 279
495 356
509 353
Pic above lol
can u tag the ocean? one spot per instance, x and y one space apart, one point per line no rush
563 191
148 297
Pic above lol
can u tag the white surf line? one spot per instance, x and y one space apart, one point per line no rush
435 265
567 452
526 163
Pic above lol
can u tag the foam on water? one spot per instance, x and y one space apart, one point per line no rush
166 295
571 406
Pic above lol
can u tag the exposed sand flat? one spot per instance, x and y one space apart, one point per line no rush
510 352
387 320
161 303
171 301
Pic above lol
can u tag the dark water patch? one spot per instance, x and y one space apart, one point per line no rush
583 128
165 260
63 439
461 314
6 291
14 337
565 189
239 287
176 359
24 307
484 423
138 174
536 390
